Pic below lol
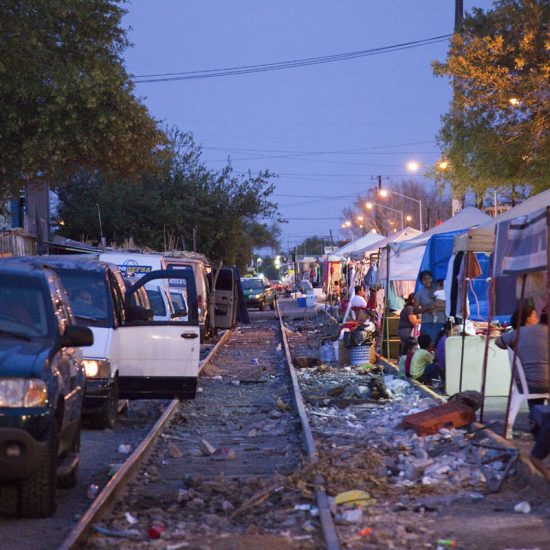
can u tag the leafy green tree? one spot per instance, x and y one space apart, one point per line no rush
312 246
497 130
188 205
67 101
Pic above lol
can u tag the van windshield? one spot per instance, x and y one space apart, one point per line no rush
89 296
23 311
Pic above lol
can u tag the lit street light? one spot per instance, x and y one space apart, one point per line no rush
413 166
369 205
386 191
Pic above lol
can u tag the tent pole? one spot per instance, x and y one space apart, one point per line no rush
548 282
515 354
387 302
487 339
464 316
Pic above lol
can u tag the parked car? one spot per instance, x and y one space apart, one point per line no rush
133 356
258 292
42 385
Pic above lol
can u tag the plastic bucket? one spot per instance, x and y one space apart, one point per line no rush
302 302
359 355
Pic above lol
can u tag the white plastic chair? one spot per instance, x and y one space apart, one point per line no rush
519 396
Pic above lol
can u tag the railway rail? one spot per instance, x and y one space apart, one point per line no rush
225 465
247 463
223 469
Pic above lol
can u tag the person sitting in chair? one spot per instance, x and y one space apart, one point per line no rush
532 350
359 305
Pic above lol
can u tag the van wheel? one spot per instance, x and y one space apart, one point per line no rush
262 306
37 493
107 417
272 305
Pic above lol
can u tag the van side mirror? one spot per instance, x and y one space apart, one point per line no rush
76 336
138 313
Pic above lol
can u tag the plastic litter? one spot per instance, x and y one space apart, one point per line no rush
522 507
302 507
352 516
446 543
355 496
365 532
129 534
114 469
92 491
130 518
124 449
155 531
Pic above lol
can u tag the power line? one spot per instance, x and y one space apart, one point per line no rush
247 69
336 151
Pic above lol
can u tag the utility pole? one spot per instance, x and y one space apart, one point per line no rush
457 202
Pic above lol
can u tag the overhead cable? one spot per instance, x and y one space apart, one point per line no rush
247 69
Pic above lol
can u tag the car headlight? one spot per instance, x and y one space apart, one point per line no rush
22 392
97 368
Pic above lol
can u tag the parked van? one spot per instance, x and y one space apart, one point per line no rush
217 304
133 356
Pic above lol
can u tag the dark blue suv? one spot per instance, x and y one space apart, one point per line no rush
42 383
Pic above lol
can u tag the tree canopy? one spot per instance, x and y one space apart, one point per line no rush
497 130
67 101
189 204
385 214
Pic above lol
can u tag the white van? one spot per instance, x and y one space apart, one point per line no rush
133 356
217 306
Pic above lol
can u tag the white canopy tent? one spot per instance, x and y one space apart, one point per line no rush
361 243
403 235
482 237
406 256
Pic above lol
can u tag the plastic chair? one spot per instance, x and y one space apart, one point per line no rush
519 395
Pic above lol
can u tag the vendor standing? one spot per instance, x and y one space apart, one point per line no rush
407 323
433 319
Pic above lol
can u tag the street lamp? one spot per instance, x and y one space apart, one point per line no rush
369 205
385 192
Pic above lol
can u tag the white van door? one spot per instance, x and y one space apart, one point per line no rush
224 298
160 359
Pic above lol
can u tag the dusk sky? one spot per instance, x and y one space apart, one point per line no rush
326 129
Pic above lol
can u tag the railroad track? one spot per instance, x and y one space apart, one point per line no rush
225 470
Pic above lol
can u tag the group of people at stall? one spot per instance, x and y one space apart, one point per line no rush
422 333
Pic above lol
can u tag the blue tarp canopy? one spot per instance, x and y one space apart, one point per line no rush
439 250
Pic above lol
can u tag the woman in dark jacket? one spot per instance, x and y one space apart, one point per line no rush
407 322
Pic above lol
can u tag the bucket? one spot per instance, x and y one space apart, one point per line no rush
302 302
359 355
